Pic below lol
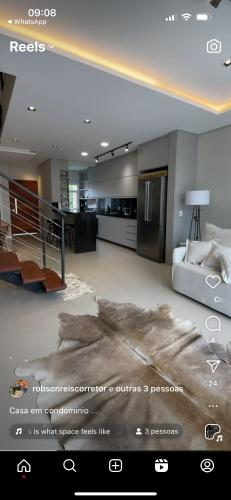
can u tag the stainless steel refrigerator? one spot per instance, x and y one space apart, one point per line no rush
151 223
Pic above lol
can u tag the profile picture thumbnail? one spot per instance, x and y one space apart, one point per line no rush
19 388
16 391
23 383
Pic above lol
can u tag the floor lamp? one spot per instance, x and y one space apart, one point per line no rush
196 199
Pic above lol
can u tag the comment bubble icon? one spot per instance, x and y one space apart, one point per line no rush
213 324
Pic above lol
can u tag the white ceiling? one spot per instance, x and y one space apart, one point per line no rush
130 32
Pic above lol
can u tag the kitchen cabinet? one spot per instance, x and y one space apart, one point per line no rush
118 230
116 178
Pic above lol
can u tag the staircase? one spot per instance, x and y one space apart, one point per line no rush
27 273
33 260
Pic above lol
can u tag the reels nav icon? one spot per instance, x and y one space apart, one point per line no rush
213 363
161 465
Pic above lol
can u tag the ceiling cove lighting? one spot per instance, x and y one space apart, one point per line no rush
227 63
31 108
133 74
112 151
87 121
84 153
104 144
17 151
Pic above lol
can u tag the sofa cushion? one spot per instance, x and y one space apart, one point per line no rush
197 251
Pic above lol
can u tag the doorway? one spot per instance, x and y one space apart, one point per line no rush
24 217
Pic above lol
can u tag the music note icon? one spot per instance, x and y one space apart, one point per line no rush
18 431
219 438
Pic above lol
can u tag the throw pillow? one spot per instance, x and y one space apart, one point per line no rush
197 251
222 236
224 256
212 261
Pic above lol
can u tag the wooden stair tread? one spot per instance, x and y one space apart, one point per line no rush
9 262
31 272
53 282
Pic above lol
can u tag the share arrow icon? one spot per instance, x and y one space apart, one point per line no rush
213 363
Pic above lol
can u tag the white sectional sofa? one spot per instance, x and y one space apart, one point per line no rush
190 280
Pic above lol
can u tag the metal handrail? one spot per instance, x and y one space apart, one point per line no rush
19 216
45 202
39 211
33 236
32 222
33 248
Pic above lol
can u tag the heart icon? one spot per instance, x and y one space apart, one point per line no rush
213 280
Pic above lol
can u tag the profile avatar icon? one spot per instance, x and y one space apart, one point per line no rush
207 465
16 391
19 388
23 383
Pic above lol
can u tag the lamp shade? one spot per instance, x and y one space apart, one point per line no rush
197 197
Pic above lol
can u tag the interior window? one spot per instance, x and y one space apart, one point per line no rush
73 196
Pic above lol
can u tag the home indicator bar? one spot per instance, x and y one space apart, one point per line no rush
116 494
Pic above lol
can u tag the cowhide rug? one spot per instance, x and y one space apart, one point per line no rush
126 346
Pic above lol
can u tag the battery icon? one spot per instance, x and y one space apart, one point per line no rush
202 17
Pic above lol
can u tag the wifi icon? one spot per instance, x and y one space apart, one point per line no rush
186 16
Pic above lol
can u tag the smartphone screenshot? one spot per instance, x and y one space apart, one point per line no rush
115 247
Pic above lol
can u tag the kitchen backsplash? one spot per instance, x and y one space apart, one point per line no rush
123 207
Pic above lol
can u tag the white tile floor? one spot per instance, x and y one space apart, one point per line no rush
29 322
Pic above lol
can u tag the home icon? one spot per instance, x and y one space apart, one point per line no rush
23 466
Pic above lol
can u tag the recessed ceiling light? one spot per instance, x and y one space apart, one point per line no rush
104 144
54 146
15 140
96 160
227 63
84 153
87 121
31 108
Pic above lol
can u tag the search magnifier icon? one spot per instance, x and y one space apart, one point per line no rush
69 464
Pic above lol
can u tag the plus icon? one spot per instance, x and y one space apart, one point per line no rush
115 465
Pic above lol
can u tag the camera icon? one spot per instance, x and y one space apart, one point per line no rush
214 46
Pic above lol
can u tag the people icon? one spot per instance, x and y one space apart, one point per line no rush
138 431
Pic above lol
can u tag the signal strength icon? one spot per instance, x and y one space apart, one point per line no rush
186 16
173 17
